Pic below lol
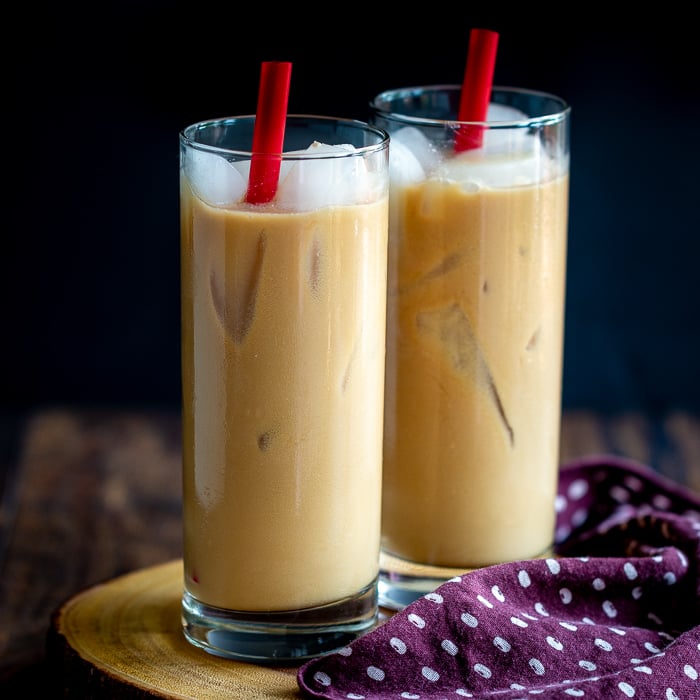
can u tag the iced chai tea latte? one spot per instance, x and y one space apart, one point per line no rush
283 343
477 257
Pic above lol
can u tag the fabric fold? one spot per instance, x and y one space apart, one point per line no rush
615 613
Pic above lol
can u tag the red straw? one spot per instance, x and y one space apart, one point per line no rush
476 88
268 133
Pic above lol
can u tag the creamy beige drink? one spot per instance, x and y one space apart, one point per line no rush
283 350
477 260
474 366
279 491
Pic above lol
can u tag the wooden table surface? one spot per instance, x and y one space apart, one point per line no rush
91 494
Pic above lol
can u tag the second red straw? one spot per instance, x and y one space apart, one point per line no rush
476 88
268 133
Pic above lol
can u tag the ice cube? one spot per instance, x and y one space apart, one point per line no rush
504 113
506 139
474 170
332 179
234 297
404 167
411 155
214 179
451 328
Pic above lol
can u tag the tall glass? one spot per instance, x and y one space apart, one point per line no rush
283 348
475 318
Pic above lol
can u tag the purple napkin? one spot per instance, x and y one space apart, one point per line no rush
616 614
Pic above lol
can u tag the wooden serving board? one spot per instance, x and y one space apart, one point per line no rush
123 639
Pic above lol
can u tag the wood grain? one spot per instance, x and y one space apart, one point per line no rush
123 639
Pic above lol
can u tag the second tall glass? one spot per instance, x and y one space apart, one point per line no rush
475 316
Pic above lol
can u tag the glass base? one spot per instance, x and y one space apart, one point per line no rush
402 581
288 636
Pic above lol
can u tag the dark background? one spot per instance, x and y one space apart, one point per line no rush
95 98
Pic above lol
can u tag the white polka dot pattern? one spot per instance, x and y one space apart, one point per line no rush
614 615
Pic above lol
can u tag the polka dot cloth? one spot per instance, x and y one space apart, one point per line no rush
615 614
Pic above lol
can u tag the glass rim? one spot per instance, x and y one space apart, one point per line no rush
553 117
187 134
